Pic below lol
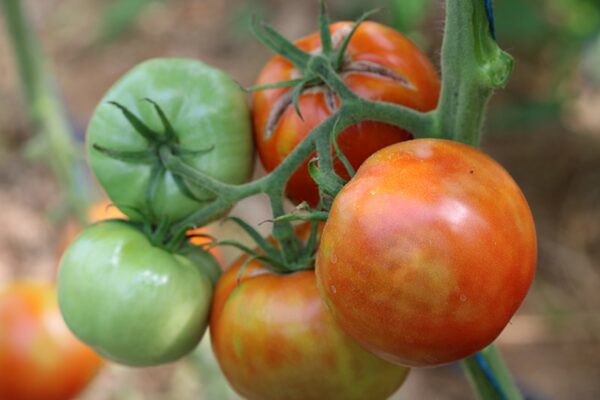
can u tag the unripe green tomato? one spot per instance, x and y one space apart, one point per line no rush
207 111
134 303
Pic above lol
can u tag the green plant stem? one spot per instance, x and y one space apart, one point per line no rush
46 113
497 367
473 66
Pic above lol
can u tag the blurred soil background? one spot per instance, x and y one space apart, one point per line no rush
544 128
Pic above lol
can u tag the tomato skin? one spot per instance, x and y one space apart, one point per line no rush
134 303
428 252
40 359
372 43
206 108
275 339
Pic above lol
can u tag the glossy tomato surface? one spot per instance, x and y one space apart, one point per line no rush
134 303
40 359
207 110
428 252
274 339
380 64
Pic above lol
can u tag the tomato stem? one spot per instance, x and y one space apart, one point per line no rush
473 66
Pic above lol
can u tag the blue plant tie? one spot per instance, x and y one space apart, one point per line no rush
489 10
489 374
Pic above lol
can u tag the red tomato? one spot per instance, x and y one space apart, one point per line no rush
428 252
275 339
380 64
39 357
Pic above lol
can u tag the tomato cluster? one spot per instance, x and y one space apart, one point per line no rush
427 252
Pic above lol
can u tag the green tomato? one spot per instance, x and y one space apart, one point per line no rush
134 303
210 120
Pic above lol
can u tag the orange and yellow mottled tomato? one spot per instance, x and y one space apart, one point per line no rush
380 64
428 252
274 339
39 357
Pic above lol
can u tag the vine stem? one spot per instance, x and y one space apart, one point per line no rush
473 66
46 113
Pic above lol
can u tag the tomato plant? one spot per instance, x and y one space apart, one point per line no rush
427 252
379 64
40 359
134 303
193 111
274 339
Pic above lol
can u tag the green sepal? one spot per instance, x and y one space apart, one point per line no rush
276 85
325 33
141 156
329 183
315 216
296 98
270 250
169 131
278 43
273 262
204 260
338 151
156 174
139 126
185 189
181 152
339 60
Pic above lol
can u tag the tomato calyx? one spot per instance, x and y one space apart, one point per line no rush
315 69
160 147
268 252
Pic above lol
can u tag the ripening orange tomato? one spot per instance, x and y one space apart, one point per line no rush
40 359
427 253
379 64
